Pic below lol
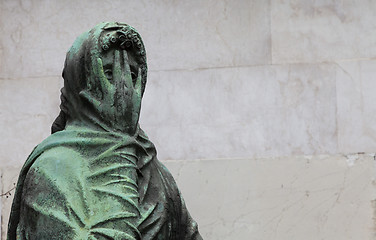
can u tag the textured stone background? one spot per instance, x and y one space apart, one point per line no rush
263 110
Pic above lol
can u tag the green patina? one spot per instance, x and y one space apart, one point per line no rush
97 176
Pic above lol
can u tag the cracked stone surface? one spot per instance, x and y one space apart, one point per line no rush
286 198
9 176
356 108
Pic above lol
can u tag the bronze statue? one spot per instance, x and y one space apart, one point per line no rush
97 175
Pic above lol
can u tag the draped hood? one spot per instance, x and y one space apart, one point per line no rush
87 98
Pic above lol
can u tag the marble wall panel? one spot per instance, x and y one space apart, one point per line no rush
1 204
213 113
275 110
316 31
35 34
27 110
290 198
356 83
9 176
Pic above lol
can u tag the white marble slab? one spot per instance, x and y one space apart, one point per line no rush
9 177
289 198
317 31
178 34
242 112
1 204
356 84
27 110
221 113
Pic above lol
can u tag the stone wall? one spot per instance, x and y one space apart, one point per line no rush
263 110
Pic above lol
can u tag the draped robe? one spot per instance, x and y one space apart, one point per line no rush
87 181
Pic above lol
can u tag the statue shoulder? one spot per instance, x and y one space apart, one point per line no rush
56 162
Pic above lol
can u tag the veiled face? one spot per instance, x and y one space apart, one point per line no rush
108 58
105 74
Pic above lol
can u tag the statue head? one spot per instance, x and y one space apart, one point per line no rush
92 94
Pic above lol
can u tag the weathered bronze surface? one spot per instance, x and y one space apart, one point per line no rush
97 176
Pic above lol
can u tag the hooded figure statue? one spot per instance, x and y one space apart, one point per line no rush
97 176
